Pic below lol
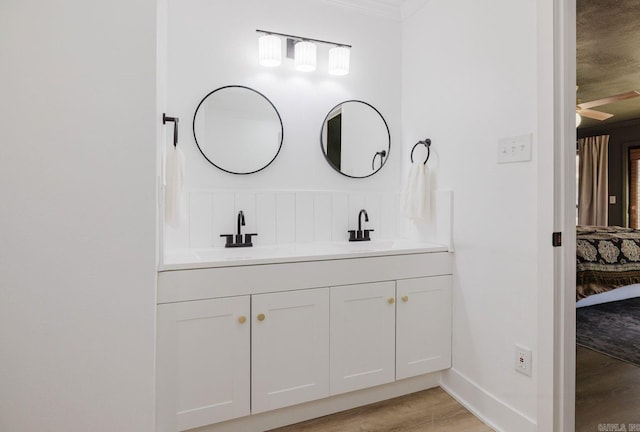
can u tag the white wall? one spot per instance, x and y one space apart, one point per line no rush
213 44
469 79
77 180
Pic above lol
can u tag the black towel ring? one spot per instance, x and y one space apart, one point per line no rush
382 155
427 143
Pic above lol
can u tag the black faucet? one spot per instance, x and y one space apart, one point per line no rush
240 224
360 234
366 218
238 237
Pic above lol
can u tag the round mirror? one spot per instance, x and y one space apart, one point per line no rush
237 129
355 139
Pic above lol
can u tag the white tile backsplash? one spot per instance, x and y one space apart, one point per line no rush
283 216
388 216
266 218
373 207
224 216
339 216
304 217
322 216
200 220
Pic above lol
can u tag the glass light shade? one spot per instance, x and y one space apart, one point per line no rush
578 119
269 50
339 60
305 56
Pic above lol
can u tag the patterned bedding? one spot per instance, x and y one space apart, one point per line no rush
607 258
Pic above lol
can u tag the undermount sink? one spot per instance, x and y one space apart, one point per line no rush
373 245
223 254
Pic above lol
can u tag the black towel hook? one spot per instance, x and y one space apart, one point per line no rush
175 121
427 143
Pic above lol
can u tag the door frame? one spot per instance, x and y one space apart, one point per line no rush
556 50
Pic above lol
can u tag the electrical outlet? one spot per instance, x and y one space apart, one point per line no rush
523 360
514 149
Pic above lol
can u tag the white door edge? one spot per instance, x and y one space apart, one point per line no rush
556 212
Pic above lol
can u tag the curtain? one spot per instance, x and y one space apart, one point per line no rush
593 184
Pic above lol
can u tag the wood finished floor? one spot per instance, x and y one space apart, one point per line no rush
426 411
607 391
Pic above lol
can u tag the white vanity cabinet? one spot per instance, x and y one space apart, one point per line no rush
362 336
289 348
238 341
423 325
203 362
386 331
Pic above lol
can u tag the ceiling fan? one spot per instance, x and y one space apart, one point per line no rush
584 109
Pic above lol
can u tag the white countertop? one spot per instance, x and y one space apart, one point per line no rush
185 259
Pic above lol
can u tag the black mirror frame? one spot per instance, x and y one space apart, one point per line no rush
270 103
325 153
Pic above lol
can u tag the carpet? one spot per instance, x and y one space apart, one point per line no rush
612 329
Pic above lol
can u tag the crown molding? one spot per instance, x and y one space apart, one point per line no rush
393 9
385 8
410 7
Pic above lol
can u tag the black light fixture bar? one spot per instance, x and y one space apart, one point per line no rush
304 38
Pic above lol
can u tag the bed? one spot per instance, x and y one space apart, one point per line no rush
608 264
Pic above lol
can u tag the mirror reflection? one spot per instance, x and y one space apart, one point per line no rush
355 139
237 129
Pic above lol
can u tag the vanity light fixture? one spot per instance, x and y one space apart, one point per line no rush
339 60
305 56
303 51
269 50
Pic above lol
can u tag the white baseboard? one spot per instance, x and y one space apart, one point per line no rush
493 412
297 413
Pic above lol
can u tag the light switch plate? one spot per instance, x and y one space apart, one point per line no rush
514 149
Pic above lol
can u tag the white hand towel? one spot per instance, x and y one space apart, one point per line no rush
173 208
416 193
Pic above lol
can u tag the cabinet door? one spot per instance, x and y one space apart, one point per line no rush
423 326
203 362
290 348
362 336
